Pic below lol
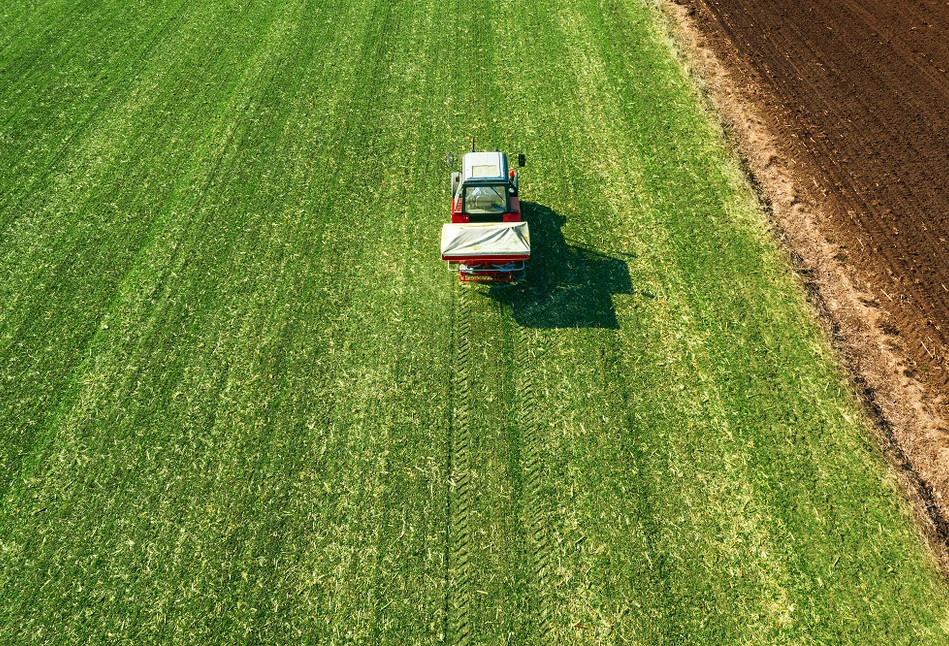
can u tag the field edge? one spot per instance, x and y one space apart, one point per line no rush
898 410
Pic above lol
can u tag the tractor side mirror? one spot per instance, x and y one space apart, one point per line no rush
455 183
521 159
450 160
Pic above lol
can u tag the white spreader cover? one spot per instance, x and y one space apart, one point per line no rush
494 240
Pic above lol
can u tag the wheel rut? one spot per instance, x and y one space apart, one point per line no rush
534 516
458 504
497 536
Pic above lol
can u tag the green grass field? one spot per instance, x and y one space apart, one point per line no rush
241 399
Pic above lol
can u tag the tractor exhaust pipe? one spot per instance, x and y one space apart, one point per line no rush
472 145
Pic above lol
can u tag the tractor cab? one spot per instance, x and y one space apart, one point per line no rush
485 190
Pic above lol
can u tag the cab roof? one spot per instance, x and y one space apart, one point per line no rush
485 165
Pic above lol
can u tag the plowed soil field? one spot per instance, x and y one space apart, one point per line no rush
856 96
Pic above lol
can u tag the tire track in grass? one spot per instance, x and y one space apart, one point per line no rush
458 501
498 548
534 510
465 569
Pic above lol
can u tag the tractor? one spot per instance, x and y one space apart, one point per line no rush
486 240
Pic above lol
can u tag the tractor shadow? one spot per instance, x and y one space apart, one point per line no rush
566 285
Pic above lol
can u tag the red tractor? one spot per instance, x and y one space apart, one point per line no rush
486 240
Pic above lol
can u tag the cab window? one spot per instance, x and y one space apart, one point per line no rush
485 199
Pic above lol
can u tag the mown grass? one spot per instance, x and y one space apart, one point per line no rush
227 345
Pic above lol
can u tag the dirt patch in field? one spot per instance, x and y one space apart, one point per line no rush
840 112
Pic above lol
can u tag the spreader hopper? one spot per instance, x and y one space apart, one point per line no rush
487 252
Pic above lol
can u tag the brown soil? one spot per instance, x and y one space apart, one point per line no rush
841 113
